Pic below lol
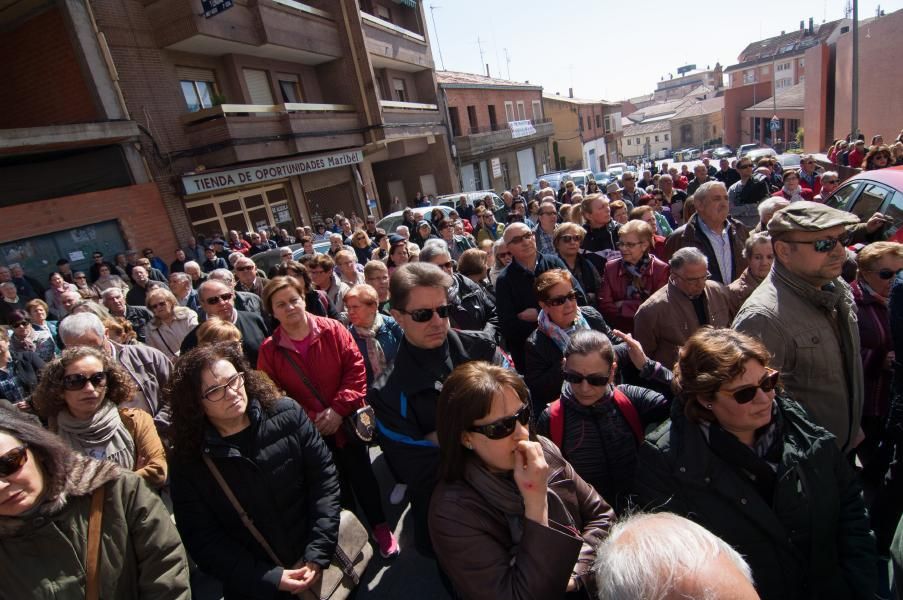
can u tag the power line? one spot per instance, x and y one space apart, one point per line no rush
436 33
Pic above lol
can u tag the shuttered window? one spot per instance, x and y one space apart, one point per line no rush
258 86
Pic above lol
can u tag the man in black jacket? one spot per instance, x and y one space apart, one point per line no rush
405 396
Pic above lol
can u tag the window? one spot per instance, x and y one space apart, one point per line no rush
509 111
784 83
802 79
493 123
455 120
401 92
802 62
656 138
638 141
521 111
840 197
667 136
783 66
198 87
580 123
537 111
258 83
607 122
598 122
290 87
383 12
749 76
629 142
647 139
472 118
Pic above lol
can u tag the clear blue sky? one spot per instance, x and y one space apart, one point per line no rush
612 49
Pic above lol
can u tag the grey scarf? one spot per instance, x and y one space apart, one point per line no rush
104 436
375 353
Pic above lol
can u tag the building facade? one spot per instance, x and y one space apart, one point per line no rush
678 87
579 141
258 113
499 130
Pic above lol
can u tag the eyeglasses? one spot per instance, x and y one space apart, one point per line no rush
567 239
744 166
246 268
746 394
882 273
422 315
12 461
502 254
527 235
25 323
448 266
214 300
217 393
498 430
560 300
577 378
622 244
160 304
77 381
825 245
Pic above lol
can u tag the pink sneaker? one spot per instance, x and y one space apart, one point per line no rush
388 545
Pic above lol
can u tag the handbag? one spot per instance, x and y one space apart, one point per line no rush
360 426
352 553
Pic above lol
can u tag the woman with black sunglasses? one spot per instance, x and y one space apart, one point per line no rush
47 495
80 396
510 518
747 463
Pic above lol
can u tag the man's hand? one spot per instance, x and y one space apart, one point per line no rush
877 221
528 314
328 422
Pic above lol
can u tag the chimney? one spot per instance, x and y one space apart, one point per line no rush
811 26
570 92
802 25
487 69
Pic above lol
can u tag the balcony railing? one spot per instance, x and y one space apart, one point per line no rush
225 110
395 105
383 24
486 141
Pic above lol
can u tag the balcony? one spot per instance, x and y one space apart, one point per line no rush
278 29
402 119
28 140
395 47
483 141
232 133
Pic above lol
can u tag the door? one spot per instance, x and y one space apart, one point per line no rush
428 185
526 164
469 174
396 188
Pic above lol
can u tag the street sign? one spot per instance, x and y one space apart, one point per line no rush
774 124
215 7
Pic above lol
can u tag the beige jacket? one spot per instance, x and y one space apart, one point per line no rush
740 289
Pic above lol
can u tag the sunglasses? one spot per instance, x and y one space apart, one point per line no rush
11 462
246 268
448 266
560 300
77 381
157 305
577 378
745 395
504 427
883 274
422 315
825 245
567 239
214 300
25 323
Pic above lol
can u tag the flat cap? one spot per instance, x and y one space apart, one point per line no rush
613 187
804 215
395 239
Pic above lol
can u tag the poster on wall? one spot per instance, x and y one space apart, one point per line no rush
496 168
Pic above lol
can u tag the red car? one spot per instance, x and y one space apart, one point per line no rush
869 192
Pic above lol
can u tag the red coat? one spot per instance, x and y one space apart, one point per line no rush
334 366
614 289
855 158
805 194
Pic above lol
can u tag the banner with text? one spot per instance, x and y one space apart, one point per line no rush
521 128
221 180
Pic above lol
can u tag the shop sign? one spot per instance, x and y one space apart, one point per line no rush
496 168
521 129
221 180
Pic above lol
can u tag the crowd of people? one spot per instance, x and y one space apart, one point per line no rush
675 386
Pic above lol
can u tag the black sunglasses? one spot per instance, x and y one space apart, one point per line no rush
825 245
567 238
560 300
25 323
577 378
504 427
422 315
883 274
214 300
77 381
746 394
12 461
528 235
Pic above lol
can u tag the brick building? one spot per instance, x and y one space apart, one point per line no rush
581 127
268 112
500 133
678 87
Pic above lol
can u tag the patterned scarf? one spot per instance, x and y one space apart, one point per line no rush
635 289
104 436
375 354
557 334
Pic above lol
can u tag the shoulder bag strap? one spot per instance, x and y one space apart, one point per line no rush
303 376
92 561
556 422
162 339
245 518
630 413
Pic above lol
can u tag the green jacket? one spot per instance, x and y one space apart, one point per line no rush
812 541
141 553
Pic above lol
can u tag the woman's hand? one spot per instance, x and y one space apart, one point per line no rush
634 349
531 474
328 422
295 581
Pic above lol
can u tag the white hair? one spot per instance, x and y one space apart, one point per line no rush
180 276
110 292
191 264
403 231
74 327
771 205
830 174
433 248
221 275
702 192
690 255
652 556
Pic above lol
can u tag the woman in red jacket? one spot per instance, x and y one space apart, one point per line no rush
632 278
792 189
317 362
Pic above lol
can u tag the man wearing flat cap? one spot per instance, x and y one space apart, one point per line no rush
803 312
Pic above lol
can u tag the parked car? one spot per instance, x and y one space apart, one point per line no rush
745 149
789 160
662 154
391 221
758 153
603 178
581 178
270 258
707 153
722 152
869 192
620 166
554 178
452 199
692 154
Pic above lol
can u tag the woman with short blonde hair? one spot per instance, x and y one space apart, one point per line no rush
171 322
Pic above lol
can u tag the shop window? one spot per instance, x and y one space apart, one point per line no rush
243 210
401 91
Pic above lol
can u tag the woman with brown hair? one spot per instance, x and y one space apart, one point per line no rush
79 395
878 157
567 240
510 517
747 463
317 301
363 248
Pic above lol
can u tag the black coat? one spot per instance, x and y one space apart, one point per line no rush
139 317
811 541
288 486
472 309
253 331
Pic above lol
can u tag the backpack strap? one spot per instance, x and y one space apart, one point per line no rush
630 413
556 422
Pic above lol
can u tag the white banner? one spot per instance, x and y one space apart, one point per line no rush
521 128
221 180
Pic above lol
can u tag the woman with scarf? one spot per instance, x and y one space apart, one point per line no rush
171 322
510 518
558 319
598 425
632 277
54 295
80 395
38 312
759 256
879 263
377 336
567 239
792 190
26 339
747 463
46 499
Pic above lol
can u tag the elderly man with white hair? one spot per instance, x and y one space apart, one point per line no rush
115 302
662 556
767 208
244 301
10 301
